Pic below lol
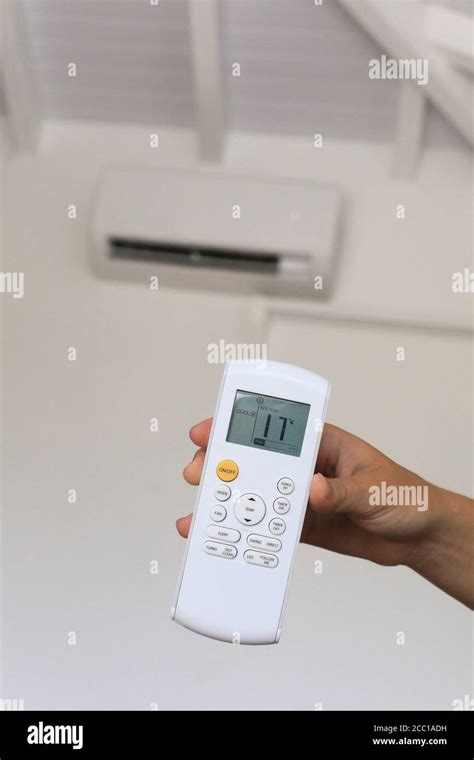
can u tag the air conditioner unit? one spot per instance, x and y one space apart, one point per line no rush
216 231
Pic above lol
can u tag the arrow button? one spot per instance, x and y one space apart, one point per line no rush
249 509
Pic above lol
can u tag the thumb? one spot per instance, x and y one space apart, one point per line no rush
337 494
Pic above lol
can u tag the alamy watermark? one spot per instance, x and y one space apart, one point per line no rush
416 69
12 705
223 352
13 283
384 495
52 734
463 282
464 703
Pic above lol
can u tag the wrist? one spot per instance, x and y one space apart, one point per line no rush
443 554
435 533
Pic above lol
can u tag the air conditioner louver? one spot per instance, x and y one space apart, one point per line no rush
193 256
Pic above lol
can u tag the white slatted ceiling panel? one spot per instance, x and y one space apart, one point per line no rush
305 70
133 59
304 67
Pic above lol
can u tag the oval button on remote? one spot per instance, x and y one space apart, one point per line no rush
249 509
259 558
264 542
220 550
223 534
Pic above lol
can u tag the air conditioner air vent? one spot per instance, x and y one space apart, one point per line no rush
193 256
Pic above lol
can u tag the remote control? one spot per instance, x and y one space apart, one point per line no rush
251 502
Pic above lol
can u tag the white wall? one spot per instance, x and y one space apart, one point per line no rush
84 425
4 152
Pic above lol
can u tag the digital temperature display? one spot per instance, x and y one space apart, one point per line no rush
265 422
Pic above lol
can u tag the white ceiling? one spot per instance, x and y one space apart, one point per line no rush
304 67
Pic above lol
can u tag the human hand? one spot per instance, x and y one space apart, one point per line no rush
347 513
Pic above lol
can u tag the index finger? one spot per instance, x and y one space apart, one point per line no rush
200 433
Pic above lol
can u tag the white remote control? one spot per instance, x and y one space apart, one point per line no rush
251 502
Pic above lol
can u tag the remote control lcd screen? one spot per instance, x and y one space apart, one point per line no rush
265 422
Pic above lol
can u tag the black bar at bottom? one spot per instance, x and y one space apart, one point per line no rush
328 733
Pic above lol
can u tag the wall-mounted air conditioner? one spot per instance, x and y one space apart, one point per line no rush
216 231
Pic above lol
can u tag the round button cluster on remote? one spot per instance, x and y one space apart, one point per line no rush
249 509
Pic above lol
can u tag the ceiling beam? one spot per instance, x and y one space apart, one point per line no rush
21 99
453 32
410 130
207 76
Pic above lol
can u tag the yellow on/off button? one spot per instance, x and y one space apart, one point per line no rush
227 470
